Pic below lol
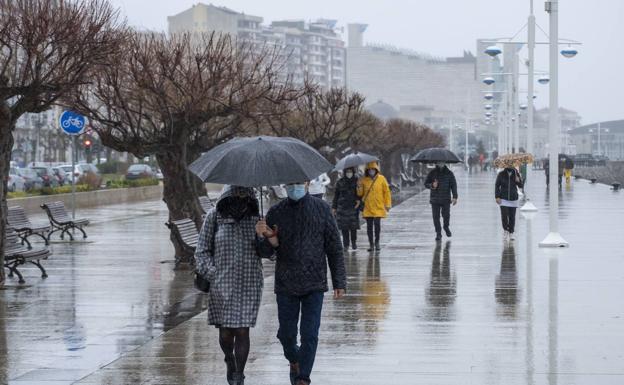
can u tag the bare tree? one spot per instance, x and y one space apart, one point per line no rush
396 137
175 97
47 49
327 119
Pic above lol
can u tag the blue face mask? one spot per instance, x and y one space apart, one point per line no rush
296 191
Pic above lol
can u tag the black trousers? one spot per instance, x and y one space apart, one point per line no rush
508 216
349 234
373 224
445 209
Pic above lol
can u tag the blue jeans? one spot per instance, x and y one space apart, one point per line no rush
288 309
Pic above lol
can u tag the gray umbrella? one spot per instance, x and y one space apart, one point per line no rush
260 161
432 155
354 160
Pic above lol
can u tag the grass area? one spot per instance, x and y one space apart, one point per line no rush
112 182
111 177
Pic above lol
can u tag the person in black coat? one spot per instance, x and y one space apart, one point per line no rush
345 208
506 188
443 185
303 233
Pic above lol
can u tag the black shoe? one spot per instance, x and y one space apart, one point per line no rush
371 248
377 247
345 249
448 232
354 246
239 378
438 236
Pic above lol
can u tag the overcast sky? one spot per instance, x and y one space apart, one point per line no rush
592 83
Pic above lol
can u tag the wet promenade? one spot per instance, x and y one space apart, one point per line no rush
470 311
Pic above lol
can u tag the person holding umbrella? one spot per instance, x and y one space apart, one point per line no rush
506 188
376 197
443 185
345 208
302 232
226 256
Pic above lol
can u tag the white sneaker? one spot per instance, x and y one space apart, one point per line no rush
512 237
506 236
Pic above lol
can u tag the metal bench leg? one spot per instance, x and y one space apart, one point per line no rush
13 269
52 232
84 235
47 243
66 231
38 264
25 240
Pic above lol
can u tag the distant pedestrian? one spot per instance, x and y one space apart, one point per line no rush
376 197
318 186
226 255
303 233
443 185
345 208
508 182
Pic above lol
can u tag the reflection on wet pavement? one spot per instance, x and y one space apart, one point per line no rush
471 310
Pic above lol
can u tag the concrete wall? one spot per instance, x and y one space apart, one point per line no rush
91 198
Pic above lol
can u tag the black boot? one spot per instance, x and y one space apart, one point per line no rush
371 247
438 237
377 247
239 378
354 246
447 231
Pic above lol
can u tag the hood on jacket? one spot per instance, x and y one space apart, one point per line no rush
373 165
231 191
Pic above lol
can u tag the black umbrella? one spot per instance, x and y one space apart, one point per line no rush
354 160
432 155
260 161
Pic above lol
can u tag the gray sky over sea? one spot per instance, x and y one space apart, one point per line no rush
592 83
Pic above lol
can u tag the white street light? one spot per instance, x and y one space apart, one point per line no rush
493 51
489 81
488 114
569 52
523 106
489 96
543 80
488 106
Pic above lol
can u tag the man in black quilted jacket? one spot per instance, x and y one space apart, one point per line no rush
303 233
443 185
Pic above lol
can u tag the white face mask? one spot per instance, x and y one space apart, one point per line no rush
349 174
372 172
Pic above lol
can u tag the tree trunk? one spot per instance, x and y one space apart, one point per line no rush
6 144
179 192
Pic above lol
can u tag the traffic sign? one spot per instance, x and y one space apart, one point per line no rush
72 123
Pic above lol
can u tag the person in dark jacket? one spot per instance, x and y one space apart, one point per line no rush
303 233
345 208
443 185
506 188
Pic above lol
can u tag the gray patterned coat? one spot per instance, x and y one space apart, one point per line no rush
227 257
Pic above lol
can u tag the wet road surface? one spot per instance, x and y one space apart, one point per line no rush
470 311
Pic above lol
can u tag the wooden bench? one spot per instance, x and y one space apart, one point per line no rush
186 234
16 254
60 220
19 221
205 203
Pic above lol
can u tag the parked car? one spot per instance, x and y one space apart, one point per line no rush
80 170
139 171
158 174
32 181
60 175
15 182
48 176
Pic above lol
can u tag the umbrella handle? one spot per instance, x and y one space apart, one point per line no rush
261 204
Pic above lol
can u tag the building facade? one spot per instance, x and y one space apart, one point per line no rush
313 50
603 138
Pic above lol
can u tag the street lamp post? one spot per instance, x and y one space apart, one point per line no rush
528 205
554 239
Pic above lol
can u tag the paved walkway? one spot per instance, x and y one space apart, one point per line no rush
470 311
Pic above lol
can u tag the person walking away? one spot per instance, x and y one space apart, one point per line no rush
226 256
345 208
318 186
443 185
506 188
302 232
376 197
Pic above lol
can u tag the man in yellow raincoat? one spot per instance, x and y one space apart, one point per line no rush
374 191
